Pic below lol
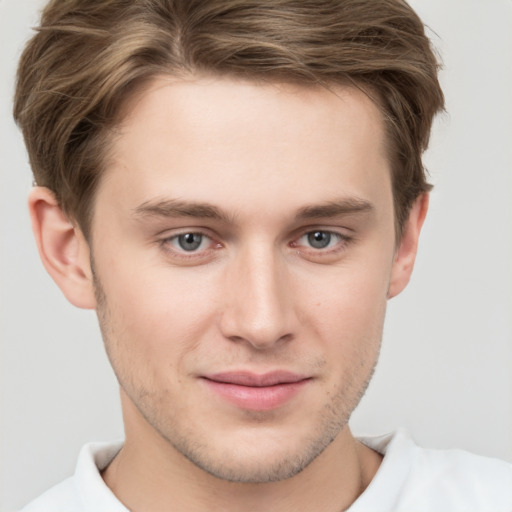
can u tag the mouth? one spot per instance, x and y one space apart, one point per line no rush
256 392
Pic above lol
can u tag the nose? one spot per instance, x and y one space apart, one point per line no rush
259 309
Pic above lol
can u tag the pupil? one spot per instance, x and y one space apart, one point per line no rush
319 239
190 241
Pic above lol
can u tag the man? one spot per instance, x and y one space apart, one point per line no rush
237 189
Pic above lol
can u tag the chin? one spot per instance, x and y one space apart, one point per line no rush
247 469
262 458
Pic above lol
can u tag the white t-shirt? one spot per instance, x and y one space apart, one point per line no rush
410 479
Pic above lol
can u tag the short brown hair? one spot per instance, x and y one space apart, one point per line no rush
87 55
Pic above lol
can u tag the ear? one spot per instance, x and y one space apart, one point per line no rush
62 248
406 252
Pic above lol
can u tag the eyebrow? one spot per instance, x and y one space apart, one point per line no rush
175 208
335 208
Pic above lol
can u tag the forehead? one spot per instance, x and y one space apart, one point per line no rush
220 139
203 106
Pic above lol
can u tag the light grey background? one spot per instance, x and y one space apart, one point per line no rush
447 354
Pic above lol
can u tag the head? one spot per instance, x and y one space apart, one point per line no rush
237 188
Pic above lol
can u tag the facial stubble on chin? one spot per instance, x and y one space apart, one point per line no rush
332 419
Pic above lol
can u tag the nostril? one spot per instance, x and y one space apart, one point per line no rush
262 342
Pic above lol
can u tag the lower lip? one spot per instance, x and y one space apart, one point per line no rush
257 398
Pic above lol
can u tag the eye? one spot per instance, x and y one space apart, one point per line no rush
320 239
189 242
322 245
190 248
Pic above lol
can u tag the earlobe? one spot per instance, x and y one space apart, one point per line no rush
405 255
62 248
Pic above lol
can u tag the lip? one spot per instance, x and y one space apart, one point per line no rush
256 392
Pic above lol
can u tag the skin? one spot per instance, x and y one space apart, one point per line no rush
254 170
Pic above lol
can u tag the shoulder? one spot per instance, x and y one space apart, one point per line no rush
428 480
470 481
462 467
63 496
478 483
85 491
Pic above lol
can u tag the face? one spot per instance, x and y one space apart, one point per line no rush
243 242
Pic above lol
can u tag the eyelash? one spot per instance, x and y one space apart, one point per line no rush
341 242
338 237
166 244
325 255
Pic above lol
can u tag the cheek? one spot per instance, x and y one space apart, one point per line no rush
155 314
348 315
353 299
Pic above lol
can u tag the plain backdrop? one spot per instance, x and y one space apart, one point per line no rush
445 369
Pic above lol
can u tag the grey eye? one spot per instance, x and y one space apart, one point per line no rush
190 241
319 239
